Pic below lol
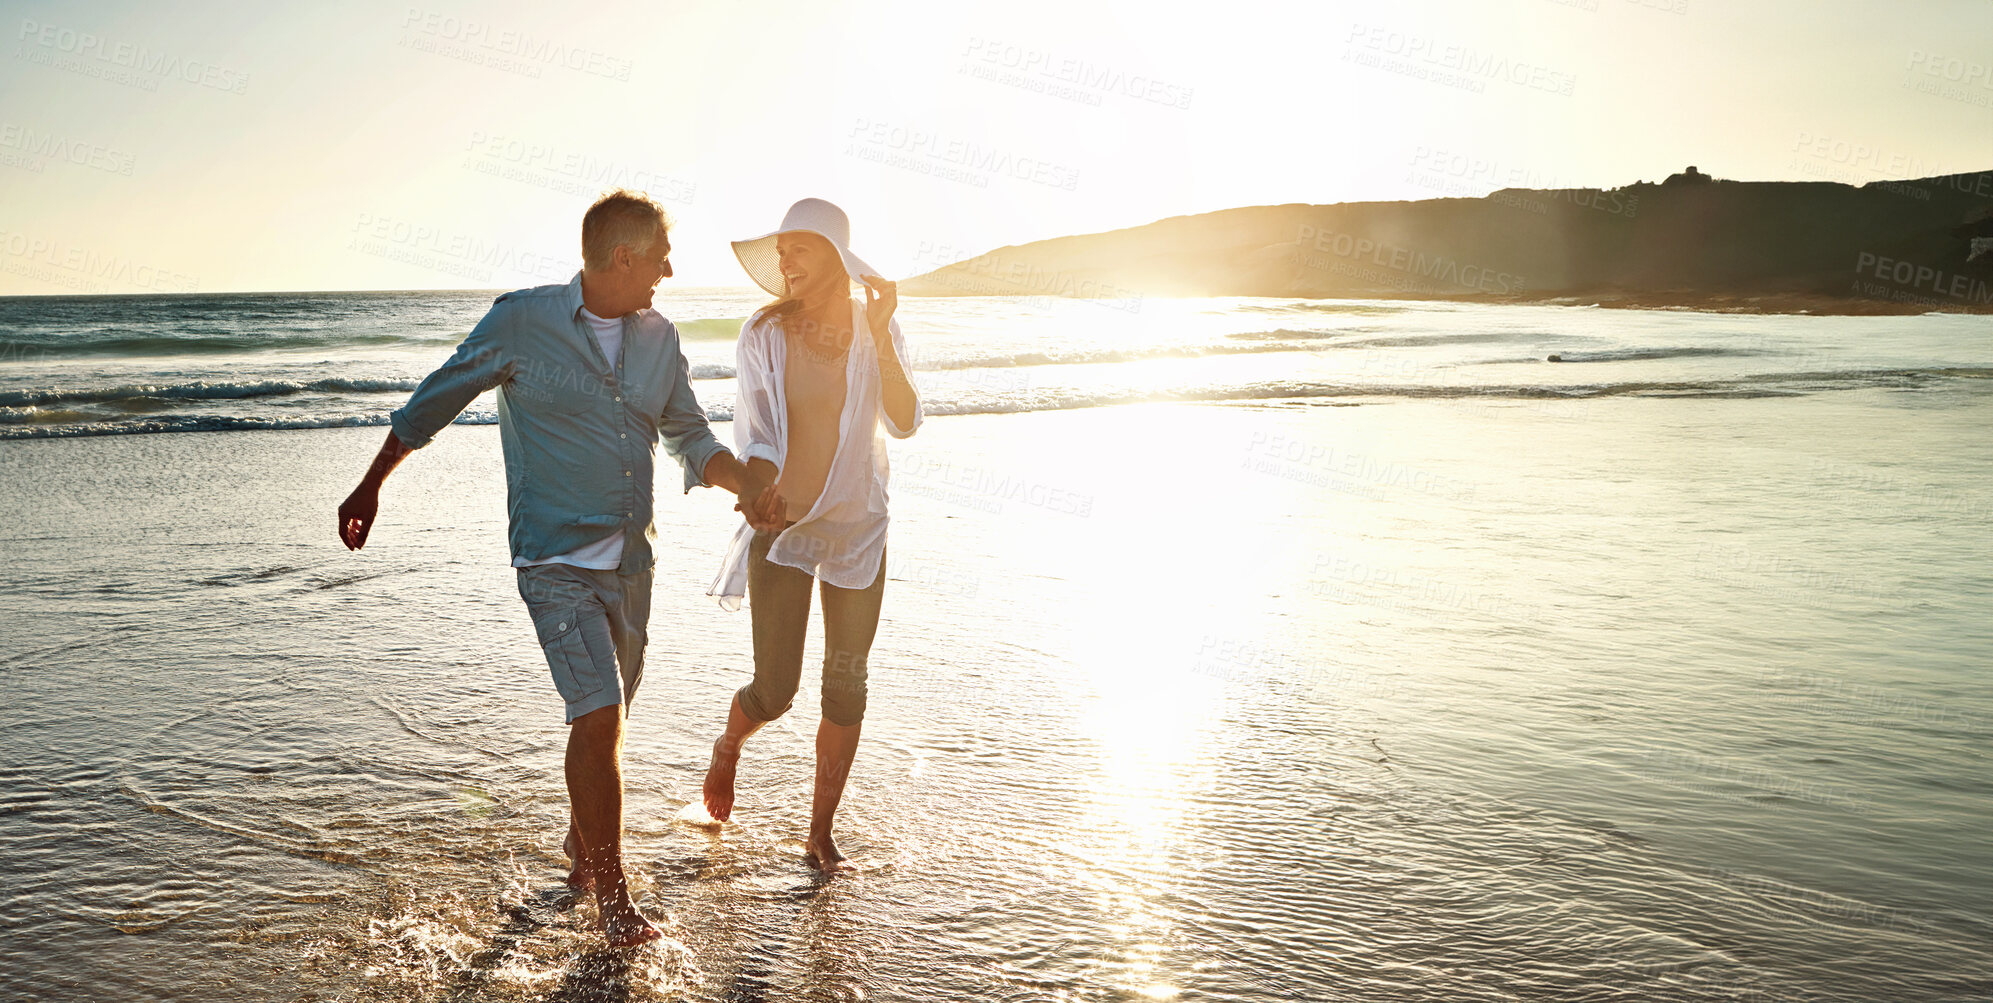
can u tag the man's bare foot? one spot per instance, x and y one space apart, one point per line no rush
578 878
720 780
821 853
624 926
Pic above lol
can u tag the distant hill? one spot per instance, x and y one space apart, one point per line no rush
1692 240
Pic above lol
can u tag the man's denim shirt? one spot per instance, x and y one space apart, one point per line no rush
580 440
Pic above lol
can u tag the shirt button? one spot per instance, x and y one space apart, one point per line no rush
622 435
626 473
619 400
561 626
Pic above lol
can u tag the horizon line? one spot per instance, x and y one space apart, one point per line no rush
1982 173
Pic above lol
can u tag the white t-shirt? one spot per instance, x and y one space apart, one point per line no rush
605 554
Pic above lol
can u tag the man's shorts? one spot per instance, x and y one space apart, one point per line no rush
591 625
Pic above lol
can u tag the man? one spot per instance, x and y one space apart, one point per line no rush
589 379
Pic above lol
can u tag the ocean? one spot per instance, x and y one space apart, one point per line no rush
120 364
1232 650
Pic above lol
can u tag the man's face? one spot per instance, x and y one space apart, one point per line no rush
647 269
809 264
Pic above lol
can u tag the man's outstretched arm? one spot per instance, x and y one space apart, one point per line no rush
477 365
356 513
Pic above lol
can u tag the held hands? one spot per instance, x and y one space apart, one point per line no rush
882 297
763 506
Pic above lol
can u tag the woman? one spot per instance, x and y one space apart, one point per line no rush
819 373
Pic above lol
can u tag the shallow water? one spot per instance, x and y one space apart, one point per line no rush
1448 698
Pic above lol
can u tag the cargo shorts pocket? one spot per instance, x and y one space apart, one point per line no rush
564 636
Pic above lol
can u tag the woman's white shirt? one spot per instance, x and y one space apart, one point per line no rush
841 538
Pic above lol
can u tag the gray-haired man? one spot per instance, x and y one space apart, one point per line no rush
589 379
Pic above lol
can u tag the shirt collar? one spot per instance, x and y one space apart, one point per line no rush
574 303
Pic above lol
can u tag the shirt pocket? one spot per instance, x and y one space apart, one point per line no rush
573 660
557 387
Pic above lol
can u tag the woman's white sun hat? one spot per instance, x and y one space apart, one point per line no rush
757 254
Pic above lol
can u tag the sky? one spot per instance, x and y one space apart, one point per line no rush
210 147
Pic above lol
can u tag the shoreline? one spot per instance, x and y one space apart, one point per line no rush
1765 303
1769 303
1762 304
366 744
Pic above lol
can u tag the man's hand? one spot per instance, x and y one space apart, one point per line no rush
773 509
356 516
356 513
763 506
753 483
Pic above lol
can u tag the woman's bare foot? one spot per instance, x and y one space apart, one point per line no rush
821 853
719 791
578 878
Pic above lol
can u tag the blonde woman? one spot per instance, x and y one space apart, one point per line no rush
821 376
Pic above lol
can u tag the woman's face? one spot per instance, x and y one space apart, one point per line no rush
811 266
